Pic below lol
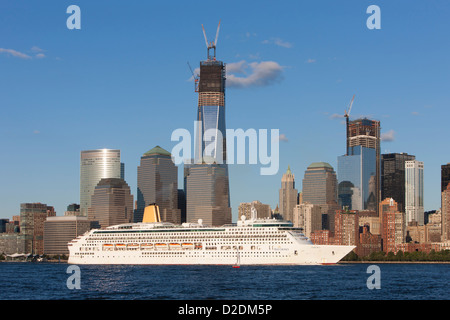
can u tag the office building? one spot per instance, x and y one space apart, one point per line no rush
393 177
359 168
207 180
414 208
157 180
445 213
445 176
94 166
288 195
58 231
112 203
207 194
320 188
32 218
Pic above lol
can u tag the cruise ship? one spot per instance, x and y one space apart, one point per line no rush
248 242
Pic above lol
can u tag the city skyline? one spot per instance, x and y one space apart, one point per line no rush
66 91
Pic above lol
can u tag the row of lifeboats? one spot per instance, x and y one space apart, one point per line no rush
152 246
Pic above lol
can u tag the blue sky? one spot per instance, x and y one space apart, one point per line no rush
122 82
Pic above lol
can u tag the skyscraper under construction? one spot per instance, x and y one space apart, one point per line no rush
213 207
359 168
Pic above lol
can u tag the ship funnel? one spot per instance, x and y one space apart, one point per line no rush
151 214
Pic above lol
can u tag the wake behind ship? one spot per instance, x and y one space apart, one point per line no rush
253 242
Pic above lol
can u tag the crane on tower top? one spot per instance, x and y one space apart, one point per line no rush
212 44
347 115
347 112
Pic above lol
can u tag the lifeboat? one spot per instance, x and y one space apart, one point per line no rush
187 245
120 246
174 246
107 246
147 246
132 245
161 246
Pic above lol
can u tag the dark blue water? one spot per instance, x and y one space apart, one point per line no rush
48 281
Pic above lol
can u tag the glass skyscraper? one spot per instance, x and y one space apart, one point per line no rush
206 180
414 192
359 169
393 177
94 166
210 144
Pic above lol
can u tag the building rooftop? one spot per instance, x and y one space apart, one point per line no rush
158 150
319 165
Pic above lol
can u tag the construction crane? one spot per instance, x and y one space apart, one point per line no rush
195 78
213 44
347 112
347 116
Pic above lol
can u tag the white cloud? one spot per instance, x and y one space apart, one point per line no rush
37 49
237 67
336 116
15 53
311 60
388 136
415 113
40 55
279 42
260 74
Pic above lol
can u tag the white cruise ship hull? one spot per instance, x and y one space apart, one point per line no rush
307 255
252 242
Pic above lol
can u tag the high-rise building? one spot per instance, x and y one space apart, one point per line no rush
393 231
211 135
346 227
445 202
393 177
207 180
207 194
445 176
320 188
96 165
359 168
32 218
112 203
414 208
288 195
445 213
157 182
307 216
